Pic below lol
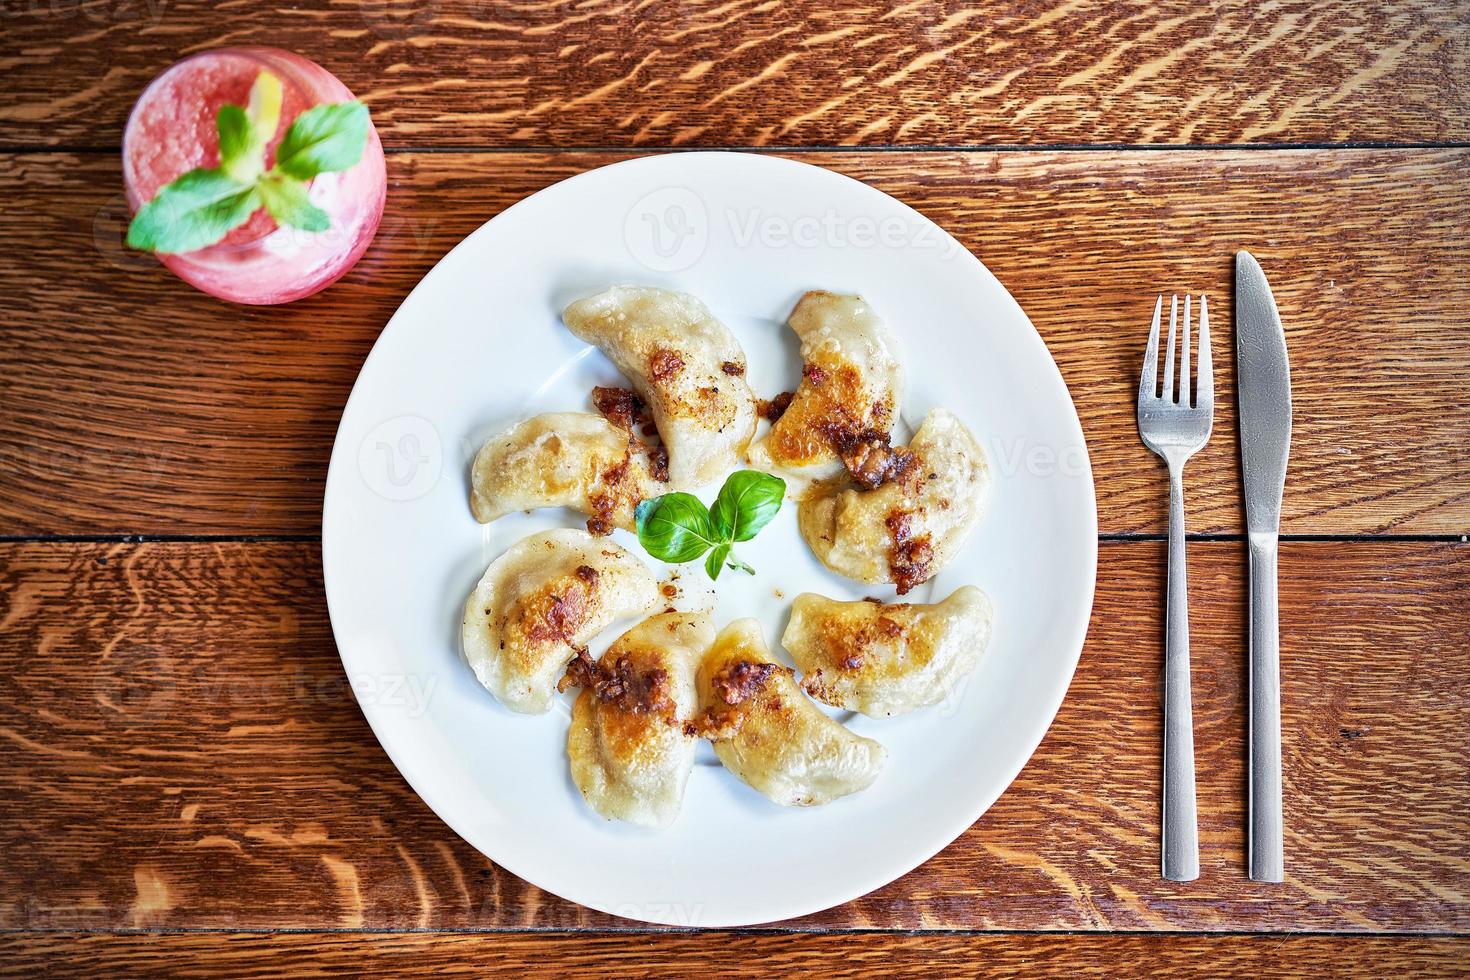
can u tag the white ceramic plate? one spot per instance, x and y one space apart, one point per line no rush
479 345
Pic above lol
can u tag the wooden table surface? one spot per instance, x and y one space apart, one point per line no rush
190 788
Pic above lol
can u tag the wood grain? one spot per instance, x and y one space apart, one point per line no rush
182 752
680 955
803 72
134 404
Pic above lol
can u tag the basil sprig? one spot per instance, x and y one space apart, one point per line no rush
206 204
677 528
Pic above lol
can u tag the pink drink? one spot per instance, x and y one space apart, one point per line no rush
172 130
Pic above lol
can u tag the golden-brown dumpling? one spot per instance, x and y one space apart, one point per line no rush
886 660
685 364
769 734
850 386
541 602
905 531
564 459
629 753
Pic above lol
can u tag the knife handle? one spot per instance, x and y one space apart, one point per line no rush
1265 847
1180 844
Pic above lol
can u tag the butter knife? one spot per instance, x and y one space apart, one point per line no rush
1263 383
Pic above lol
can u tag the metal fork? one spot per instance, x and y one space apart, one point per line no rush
1176 426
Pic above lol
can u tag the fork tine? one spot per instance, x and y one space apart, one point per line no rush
1205 393
1168 394
1148 382
1184 358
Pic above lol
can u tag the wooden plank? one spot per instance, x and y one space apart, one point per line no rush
802 72
678 955
134 404
182 753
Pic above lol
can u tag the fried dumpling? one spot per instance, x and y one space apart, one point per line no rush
769 734
886 660
685 364
906 530
541 602
629 753
849 391
564 459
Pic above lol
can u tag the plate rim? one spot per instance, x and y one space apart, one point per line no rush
953 829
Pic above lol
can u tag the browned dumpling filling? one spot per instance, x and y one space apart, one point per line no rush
565 459
905 531
886 659
769 734
847 401
540 603
685 365
629 752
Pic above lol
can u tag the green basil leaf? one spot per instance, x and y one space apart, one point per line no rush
236 141
322 139
716 561
196 210
285 198
674 527
747 502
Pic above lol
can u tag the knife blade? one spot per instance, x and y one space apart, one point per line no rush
1263 385
1263 380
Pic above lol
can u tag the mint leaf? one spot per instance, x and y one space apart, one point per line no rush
236 139
747 502
201 207
716 561
196 210
286 200
322 139
674 527
244 133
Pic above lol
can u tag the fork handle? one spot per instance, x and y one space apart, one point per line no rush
1180 825
1265 845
